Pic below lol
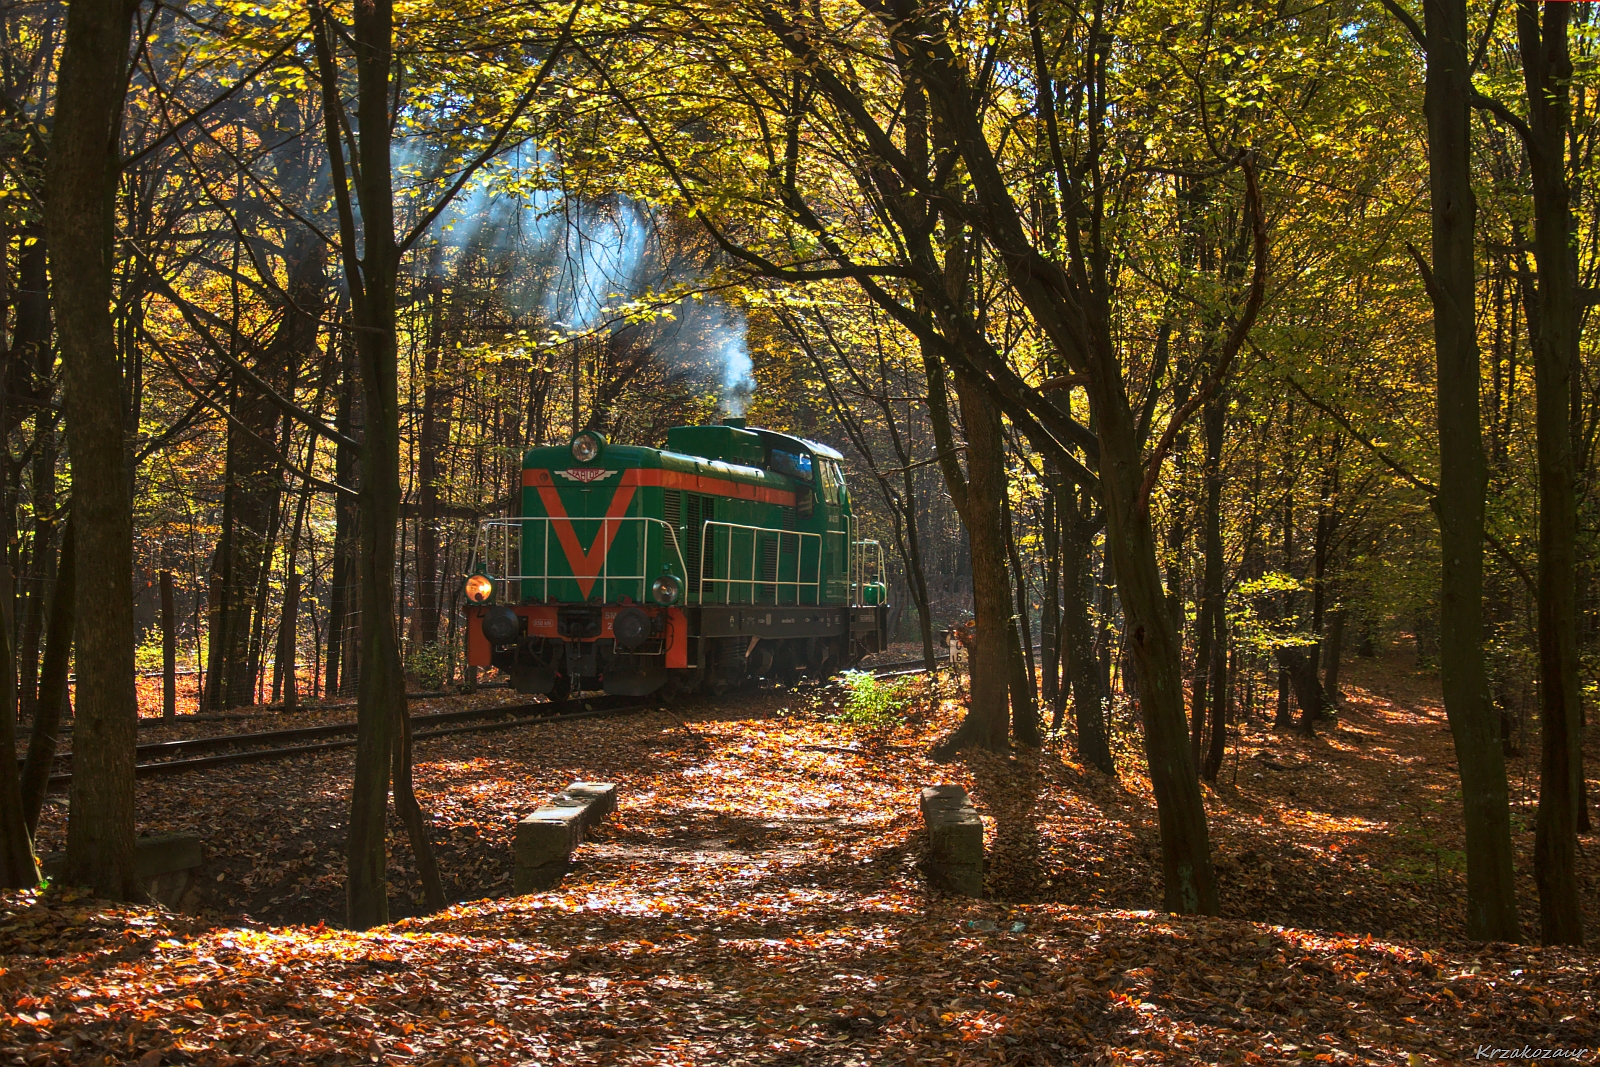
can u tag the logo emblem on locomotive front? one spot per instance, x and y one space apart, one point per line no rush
585 474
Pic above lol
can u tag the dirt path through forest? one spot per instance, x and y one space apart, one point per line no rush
756 900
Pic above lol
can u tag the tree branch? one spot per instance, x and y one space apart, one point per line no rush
1485 102
1230 348
1410 23
493 147
1420 484
202 397
195 316
220 98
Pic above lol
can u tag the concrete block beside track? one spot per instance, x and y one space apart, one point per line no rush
955 840
547 838
167 865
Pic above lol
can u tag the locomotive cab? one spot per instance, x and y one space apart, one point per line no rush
730 554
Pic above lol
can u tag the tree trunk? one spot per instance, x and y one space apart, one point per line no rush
19 869
991 590
252 485
1333 648
217 604
286 670
169 651
45 518
341 671
411 815
1200 686
1491 891
82 181
1020 677
1024 708
917 574
987 716
1286 602
1327 522
1301 670
1077 320
1050 643
1210 623
1083 666
1106 609
52 685
435 418
1211 766
381 697
256 646
1189 881
32 355
1547 71
286 638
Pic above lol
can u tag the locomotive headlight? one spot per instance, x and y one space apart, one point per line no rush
479 588
585 447
665 589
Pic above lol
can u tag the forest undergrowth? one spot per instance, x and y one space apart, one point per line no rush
757 899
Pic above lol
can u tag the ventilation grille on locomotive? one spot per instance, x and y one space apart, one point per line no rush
705 550
692 556
769 567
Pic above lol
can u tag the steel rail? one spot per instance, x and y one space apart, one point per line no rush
308 733
265 710
519 715
228 759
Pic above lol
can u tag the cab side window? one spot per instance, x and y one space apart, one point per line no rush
796 465
830 483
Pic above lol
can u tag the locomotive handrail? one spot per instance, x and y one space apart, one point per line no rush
604 541
501 542
861 566
777 582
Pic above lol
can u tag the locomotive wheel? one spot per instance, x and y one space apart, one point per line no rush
679 684
562 689
790 668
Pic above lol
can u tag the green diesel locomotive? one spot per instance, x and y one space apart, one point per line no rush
730 555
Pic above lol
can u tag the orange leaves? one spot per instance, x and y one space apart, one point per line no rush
757 900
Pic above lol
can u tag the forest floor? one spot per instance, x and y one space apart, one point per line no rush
756 899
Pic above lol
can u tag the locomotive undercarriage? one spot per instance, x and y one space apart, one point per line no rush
561 665
551 666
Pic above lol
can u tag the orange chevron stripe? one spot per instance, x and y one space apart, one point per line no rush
655 477
585 563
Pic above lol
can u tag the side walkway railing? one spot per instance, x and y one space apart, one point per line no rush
503 546
761 588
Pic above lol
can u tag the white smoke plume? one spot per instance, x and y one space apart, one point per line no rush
738 379
584 266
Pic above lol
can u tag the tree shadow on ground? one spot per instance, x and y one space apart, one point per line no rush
1007 788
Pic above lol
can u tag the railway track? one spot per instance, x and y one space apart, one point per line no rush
342 735
199 753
